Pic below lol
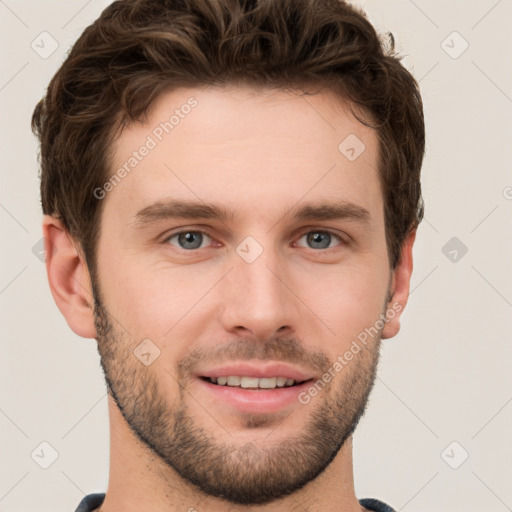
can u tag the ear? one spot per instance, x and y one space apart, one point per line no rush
69 278
400 284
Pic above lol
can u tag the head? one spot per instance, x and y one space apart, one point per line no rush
248 110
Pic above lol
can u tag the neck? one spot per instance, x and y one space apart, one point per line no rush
134 469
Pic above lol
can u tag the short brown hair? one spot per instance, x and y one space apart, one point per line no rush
137 49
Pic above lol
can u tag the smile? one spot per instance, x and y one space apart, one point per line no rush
253 382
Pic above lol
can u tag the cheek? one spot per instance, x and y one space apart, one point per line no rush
346 299
155 300
162 302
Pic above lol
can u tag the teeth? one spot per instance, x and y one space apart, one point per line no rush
253 382
234 381
267 383
249 382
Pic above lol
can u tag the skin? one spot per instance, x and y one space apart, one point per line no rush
260 153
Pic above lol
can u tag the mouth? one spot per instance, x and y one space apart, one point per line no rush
254 383
256 388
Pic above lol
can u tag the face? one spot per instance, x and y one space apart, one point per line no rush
242 245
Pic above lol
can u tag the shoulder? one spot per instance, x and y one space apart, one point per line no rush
91 502
375 505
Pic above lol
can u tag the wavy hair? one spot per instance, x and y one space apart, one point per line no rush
138 49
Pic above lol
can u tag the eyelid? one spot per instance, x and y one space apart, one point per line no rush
186 229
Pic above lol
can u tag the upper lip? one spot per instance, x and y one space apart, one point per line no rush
256 370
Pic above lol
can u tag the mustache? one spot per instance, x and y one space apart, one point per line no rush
286 350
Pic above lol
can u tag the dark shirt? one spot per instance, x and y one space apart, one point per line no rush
93 501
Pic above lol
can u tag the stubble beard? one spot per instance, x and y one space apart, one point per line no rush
250 473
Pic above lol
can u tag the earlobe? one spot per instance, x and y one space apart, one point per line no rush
400 287
69 278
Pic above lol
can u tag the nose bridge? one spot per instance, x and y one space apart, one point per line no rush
257 298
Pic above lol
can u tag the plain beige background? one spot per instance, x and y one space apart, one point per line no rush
444 390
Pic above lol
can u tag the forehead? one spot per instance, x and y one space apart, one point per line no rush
241 146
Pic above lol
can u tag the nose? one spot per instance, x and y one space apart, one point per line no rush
258 298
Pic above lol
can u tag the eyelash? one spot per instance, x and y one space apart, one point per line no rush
323 231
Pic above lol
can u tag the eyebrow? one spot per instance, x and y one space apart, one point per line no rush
177 209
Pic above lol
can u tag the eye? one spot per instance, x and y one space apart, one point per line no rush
188 240
321 239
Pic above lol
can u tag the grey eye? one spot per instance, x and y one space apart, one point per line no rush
189 239
319 239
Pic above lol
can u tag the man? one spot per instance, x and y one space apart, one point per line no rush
231 192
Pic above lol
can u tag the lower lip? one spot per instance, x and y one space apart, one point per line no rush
255 400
